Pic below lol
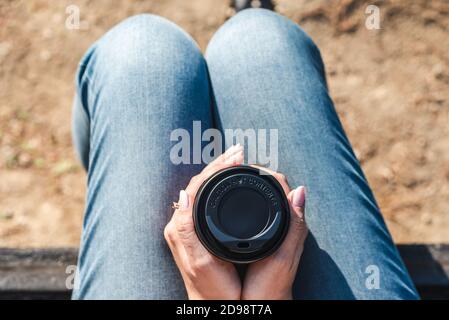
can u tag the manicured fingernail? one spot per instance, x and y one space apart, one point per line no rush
236 158
299 197
183 200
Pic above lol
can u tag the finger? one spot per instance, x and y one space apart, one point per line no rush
171 231
184 203
298 231
232 150
181 236
176 248
189 242
232 157
229 161
184 226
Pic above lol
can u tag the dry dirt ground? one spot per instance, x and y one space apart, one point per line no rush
390 86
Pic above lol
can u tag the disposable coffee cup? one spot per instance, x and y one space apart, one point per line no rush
241 215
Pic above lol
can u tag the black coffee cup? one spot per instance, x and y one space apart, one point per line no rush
241 215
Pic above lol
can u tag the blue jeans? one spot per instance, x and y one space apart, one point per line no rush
147 77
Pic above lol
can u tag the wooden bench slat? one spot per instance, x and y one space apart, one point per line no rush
41 273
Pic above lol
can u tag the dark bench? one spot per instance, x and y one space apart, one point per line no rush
41 273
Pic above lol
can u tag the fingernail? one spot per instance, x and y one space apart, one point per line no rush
299 197
183 200
233 150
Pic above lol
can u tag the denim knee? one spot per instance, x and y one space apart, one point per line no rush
144 55
143 45
260 33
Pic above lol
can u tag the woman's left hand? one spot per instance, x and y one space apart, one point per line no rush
205 276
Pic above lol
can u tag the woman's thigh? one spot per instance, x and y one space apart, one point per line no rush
266 73
138 83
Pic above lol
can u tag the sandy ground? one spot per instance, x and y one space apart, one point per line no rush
390 86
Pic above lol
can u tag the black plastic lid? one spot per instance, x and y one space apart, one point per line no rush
241 215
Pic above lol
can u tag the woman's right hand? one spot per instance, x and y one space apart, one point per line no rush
272 278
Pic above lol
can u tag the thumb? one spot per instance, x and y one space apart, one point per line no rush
298 226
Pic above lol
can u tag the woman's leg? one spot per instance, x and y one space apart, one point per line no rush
143 79
266 73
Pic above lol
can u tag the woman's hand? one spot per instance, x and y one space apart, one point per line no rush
272 278
205 276
208 277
